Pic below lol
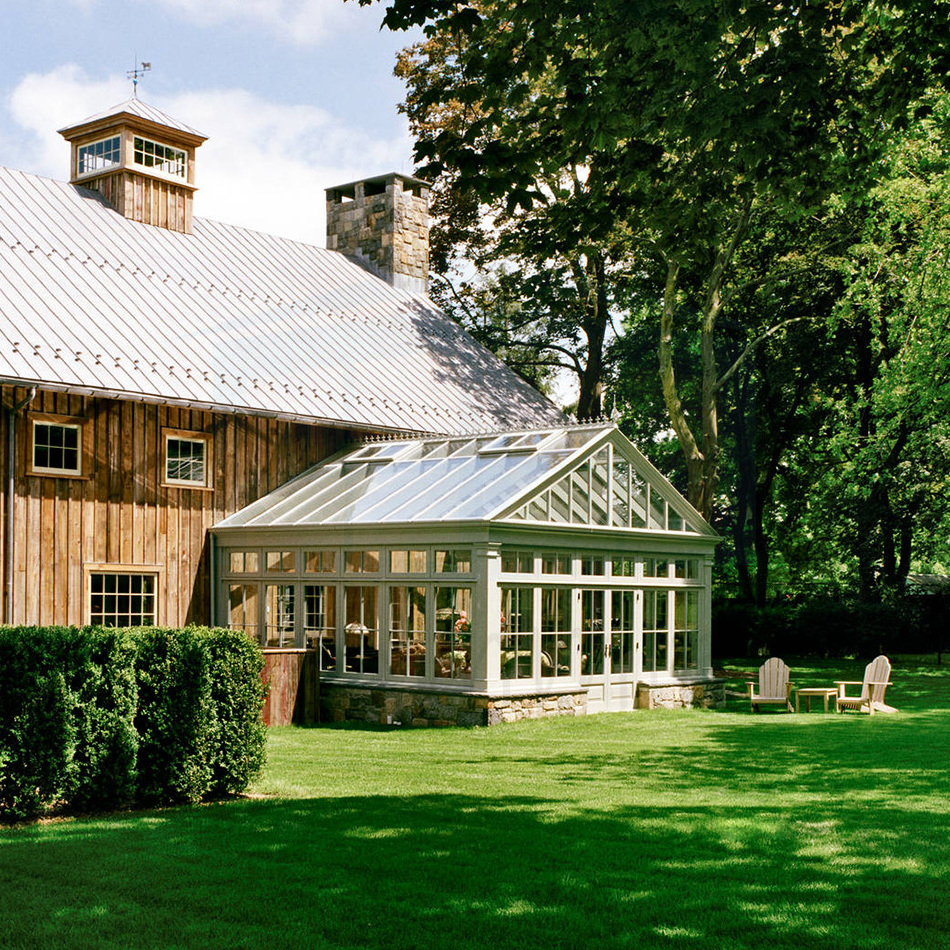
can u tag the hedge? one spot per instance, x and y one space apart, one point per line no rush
93 718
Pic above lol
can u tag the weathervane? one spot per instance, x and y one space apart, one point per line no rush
134 74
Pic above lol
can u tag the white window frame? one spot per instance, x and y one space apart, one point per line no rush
125 570
99 162
184 435
64 422
170 162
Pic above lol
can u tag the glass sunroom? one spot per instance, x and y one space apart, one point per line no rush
518 568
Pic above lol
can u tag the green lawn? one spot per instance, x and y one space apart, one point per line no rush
669 829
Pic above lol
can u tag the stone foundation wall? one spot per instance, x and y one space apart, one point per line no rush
710 694
407 707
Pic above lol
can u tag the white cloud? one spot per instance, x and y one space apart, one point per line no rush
265 164
303 22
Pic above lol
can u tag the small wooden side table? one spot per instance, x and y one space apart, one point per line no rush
825 692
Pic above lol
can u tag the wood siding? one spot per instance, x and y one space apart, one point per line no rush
120 514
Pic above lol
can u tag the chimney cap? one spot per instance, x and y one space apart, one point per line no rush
347 190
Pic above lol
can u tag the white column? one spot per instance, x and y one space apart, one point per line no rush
486 601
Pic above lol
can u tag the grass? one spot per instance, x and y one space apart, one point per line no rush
667 829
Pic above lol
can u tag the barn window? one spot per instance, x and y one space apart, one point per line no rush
56 445
122 600
187 458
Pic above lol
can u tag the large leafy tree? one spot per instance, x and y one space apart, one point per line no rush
691 120
882 475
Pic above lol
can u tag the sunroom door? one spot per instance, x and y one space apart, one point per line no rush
595 648
623 655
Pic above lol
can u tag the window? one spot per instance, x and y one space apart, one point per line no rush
555 631
161 158
361 562
407 627
686 567
517 562
122 600
99 155
656 567
280 562
593 566
279 621
517 633
57 445
243 608
320 562
592 632
621 631
453 562
685 629
407 562
361 629
187 459
244 562
655 630
453 632
624 566
319 604
555 564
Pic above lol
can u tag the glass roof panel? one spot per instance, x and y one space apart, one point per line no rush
471 478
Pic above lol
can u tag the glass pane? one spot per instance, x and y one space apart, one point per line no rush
242 608
320 622
280 561
320 562
361 629
657 511
407 624
453 632
453 562
592 632
580 495
279 615
620 497
599 502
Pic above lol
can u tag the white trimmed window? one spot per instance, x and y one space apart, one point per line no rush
56 446
160 158
100 155
187 458
122 600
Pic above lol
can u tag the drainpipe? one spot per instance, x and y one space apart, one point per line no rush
11 488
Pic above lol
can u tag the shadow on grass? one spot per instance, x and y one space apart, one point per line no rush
455 871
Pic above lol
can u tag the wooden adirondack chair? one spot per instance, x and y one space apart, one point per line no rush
775 688
877 675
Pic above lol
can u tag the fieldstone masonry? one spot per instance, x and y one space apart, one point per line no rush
384 223
710 694
417 708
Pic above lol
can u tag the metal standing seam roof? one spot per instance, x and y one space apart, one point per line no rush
431 480
232 319
138 108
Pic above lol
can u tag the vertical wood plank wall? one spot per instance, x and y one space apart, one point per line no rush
121 514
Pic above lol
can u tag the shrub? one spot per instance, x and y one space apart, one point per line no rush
93 718
200 698
66 702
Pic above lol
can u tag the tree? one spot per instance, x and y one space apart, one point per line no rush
693 119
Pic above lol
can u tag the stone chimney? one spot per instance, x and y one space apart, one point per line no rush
383 222
140 160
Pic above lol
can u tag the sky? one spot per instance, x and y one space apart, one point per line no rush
295 96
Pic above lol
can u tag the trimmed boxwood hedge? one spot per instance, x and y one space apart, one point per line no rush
96 718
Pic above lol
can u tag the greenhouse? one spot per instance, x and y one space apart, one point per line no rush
478 579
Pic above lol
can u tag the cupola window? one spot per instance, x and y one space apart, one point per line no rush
99 155
161 158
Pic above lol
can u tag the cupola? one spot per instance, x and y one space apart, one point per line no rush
140 160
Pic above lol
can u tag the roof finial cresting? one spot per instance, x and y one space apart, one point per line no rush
134 75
